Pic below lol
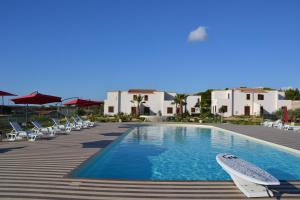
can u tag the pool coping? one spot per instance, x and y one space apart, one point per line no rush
115 141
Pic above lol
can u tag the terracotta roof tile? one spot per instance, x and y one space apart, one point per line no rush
142 91
251 90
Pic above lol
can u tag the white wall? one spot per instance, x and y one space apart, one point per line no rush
192 100
221 98
112 100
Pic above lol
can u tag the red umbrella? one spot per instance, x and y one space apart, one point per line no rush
36 98
82 102
3 94
93 103
285 115
77 102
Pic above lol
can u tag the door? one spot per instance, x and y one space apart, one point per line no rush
247 110
133 110
146 111
261 112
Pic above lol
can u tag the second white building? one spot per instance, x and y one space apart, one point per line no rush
249 101
154 103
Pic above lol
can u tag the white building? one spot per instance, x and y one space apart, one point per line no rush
248 101
154 103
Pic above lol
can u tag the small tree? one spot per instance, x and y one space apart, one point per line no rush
181 100
139 101
222 110
176 101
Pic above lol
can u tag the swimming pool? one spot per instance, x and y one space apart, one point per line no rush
168 152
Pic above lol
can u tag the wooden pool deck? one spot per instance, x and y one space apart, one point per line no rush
38 170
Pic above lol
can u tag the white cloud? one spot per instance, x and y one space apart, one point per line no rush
198 35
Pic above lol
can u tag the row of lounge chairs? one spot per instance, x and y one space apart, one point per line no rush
38 131
280 125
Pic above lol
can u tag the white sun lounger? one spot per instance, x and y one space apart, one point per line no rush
267 123
62 127
74 126
80 123
292 128
87 122
250 179
277 124
18 133
48 131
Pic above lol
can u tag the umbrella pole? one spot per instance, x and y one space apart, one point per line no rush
2 108
57 110
26 114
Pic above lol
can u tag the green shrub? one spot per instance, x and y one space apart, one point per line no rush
80 112
124 117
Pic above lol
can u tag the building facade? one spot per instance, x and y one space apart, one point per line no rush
154 103
248 101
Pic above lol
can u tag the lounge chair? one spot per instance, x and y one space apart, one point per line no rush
88 122
293 128
18 133
267 123
74 126
79 123
62 127
277 124
48 131
296 128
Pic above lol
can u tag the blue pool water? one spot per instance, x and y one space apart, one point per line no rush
184 153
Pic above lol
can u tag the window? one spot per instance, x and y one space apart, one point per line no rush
225 108
228 96
170 110
248 96
193 110
110 109
134 97
260 97
146 97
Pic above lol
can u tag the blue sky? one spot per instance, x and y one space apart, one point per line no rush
85 48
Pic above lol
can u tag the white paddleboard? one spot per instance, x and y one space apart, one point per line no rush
245 170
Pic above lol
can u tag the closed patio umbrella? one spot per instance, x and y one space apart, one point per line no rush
37 99
285 115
